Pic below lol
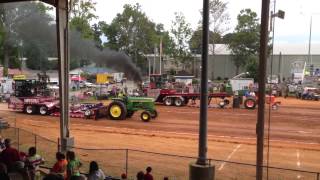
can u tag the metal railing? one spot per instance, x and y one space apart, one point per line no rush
130 161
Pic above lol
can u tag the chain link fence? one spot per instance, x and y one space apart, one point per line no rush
114 162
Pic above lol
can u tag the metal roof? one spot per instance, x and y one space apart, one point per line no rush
51 2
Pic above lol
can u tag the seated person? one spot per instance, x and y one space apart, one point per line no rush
9 155
60 166
33 161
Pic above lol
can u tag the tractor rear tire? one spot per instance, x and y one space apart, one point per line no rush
154 114
168 101
43 110
178 102
145 116
117 110
250 103
29 109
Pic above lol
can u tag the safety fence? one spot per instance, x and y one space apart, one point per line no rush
130 161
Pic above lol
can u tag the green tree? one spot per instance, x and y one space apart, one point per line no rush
168 45
97 33
82 13
182 32
244 43
219 18
227 38
195 42
37 42
15 20
133 33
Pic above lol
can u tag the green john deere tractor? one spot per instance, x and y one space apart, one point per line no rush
124 107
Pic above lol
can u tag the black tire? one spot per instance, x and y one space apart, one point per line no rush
145 116
226 101
178 102
250 103
154 114
29 109
114 114
43 110
130 114
168 101
87 114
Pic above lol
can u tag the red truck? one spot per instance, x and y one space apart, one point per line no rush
33 97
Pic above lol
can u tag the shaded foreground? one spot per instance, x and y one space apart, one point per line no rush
294 140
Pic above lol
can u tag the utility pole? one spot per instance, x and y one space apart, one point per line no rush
264 34
160 54
63 53
202 169
309 48
154 59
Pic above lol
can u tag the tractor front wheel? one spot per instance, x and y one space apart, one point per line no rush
145 116
117 110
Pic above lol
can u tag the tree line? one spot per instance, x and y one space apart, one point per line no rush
27 30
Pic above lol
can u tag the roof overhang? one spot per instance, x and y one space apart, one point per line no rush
51 2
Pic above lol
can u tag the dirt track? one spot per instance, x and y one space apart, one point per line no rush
295 132
297 121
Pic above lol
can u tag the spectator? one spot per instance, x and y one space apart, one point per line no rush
123 176
33 162
53 177
125 90
148 175
140 175
73 166
2 145
78 178
10 155
95 173
3 172
60 166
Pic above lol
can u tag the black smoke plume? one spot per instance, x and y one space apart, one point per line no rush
31 26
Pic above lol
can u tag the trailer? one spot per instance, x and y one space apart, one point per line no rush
164 93
170 97
85 110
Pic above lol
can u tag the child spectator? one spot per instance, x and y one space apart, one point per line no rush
123 176
9 155
53 177
73 166
60 166
95 173
2 145
148 175
33 162
140 175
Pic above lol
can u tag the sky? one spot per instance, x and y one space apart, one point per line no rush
294 28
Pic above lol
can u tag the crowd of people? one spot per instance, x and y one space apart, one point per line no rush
15 165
